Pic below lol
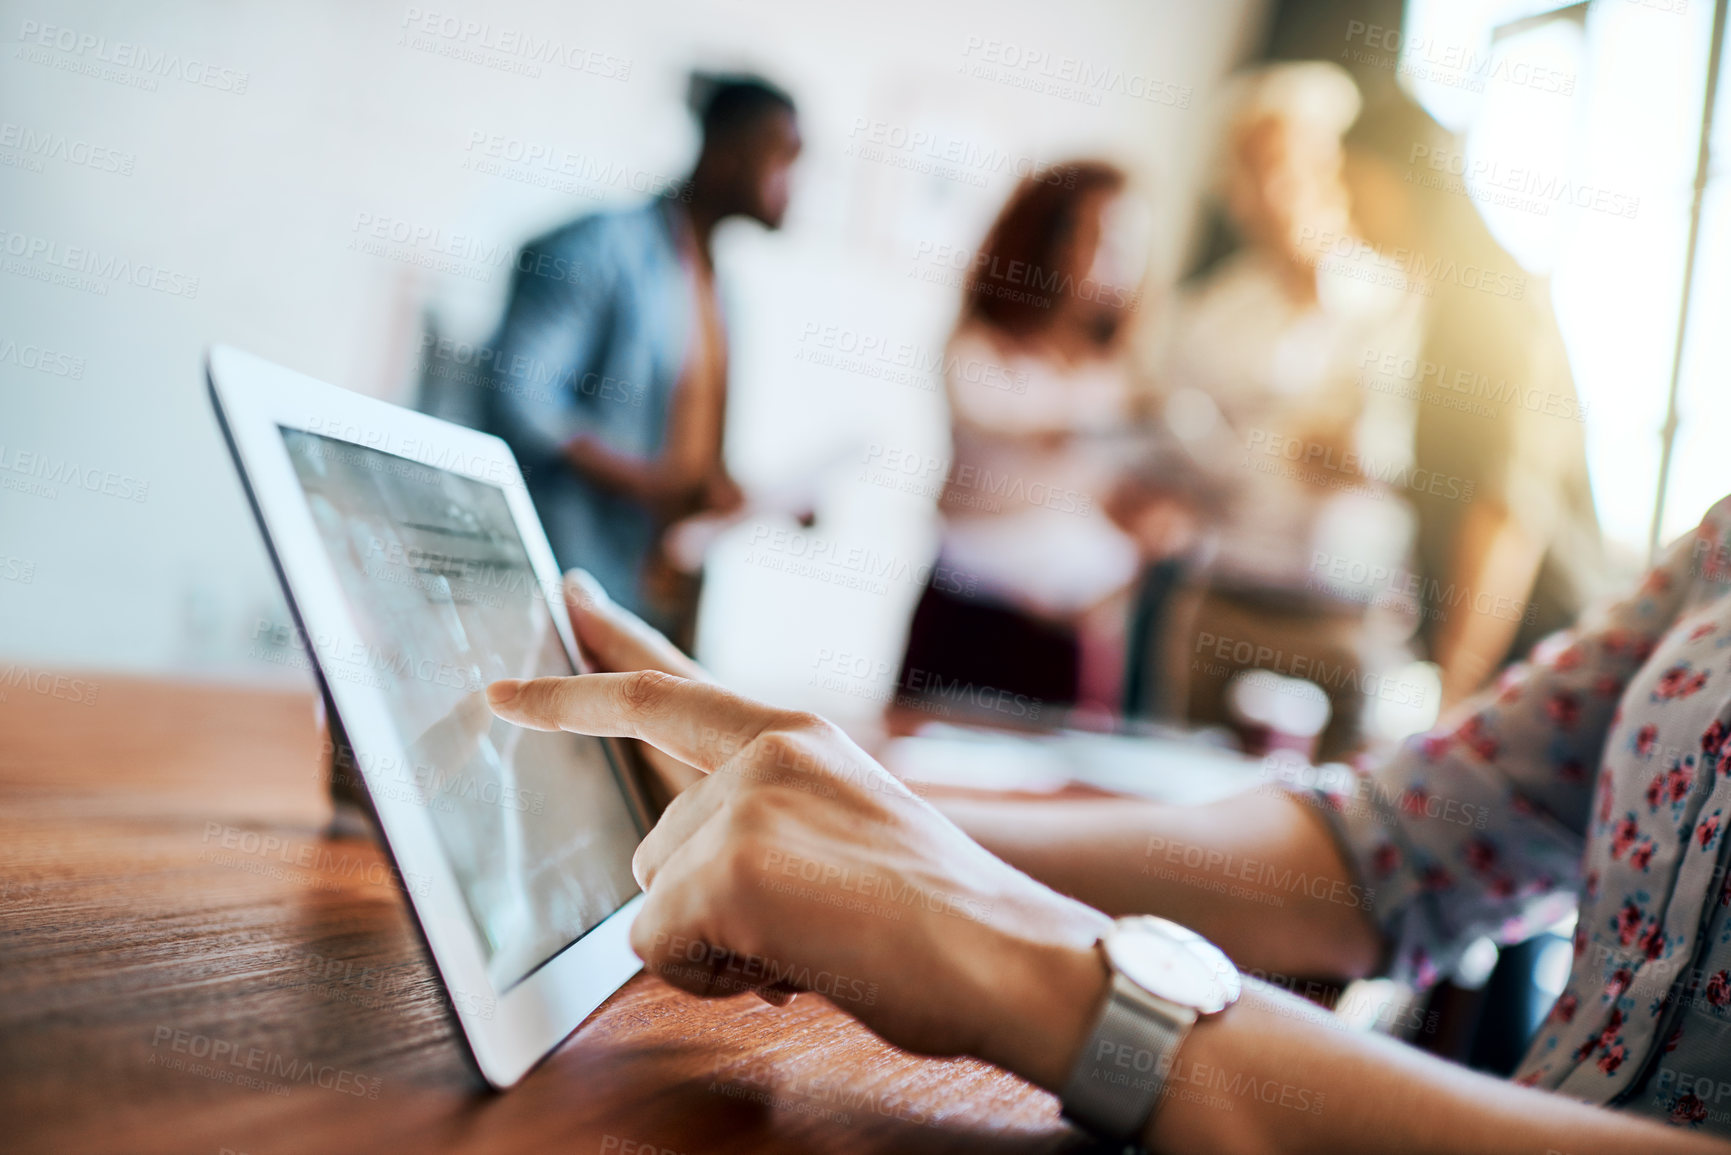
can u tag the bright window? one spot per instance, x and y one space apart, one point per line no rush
1589 117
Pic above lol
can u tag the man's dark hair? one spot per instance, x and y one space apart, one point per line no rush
725 104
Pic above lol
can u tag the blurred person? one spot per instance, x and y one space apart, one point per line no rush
995 934
610 369
1039 542
1496 410
1261 375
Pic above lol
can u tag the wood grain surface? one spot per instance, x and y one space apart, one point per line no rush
161 993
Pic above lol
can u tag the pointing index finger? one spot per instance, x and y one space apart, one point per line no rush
697 722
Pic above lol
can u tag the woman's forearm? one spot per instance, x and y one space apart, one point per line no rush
1257 873
1276 1074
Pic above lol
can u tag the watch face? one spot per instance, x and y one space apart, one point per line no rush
1175 963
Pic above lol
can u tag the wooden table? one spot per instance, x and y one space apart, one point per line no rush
141 964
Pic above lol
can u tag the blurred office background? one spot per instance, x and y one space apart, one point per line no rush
346 184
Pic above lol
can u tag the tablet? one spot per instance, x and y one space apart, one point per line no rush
417 573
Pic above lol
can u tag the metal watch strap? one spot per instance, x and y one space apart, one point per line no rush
1116 1083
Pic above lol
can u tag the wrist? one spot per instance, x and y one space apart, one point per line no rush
1048 991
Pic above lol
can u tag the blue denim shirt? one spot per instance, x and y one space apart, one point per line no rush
593 341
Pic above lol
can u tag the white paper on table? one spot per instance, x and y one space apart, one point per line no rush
1165 769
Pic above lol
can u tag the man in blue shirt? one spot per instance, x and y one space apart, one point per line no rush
610 370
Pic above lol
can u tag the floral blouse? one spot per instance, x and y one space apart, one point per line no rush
1596 776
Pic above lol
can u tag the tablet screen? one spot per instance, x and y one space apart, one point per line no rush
535 825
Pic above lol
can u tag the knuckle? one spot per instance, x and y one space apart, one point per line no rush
782 750
753 815
743 868
805 722
642 691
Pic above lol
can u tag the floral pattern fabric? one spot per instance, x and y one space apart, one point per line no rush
1597 776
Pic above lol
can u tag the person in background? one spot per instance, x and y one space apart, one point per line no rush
1519 555
1041 398
1259 370
610 369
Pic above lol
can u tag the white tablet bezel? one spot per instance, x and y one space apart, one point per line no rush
507 1032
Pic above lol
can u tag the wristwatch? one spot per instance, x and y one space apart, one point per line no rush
1164 977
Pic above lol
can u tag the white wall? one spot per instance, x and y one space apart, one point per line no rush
346 117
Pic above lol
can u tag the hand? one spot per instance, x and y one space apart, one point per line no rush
721 494
1161 523
612 639
798 863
